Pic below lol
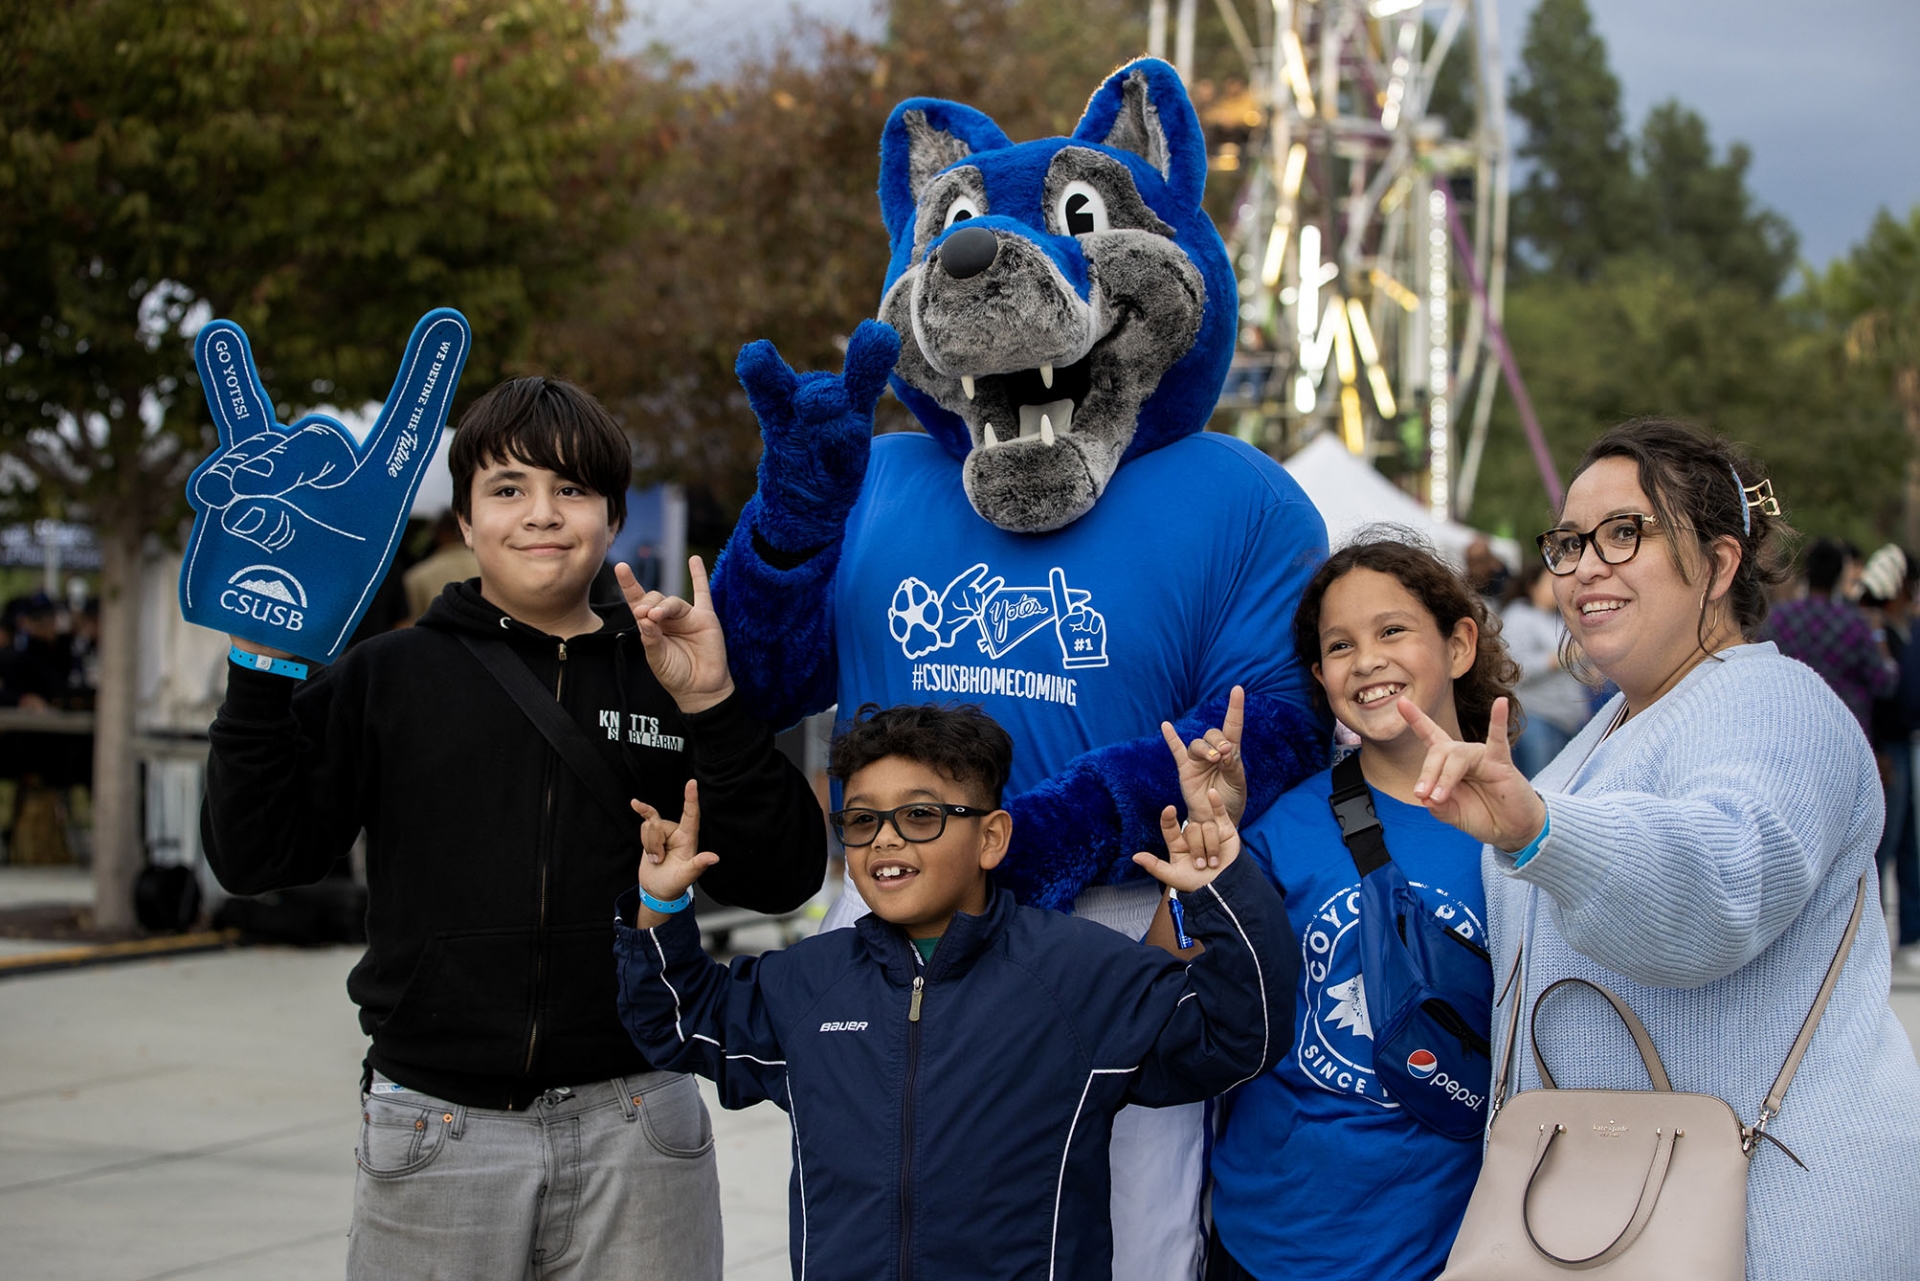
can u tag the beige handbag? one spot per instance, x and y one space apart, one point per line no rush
1648 1184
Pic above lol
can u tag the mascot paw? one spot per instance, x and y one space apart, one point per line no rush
913 618
818 429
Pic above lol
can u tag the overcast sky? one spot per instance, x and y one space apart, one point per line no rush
1825 92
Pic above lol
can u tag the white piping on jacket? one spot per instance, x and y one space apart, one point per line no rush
1053 1240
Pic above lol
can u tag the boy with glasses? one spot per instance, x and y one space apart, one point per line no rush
952 1064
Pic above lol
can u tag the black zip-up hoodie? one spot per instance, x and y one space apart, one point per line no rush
491 869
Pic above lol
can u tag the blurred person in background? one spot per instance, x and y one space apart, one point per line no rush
1827 632
84 651
450 561
1486 571
1556 702
1887 583
39 665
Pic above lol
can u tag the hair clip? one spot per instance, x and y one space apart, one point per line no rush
1761 495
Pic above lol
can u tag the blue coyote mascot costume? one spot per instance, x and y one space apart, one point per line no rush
1065 546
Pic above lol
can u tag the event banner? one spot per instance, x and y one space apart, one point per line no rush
294 527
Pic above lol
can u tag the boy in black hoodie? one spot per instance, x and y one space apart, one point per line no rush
508 1122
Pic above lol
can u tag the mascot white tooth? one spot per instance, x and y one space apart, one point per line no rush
1066 545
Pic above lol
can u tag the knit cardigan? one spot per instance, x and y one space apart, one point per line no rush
1702 863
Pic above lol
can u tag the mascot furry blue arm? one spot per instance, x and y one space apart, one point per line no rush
1065 546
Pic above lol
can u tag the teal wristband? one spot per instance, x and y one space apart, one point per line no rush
653 904
266 663
1532 847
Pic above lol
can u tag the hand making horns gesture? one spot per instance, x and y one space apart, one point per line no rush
670 855
685 646
1475 786
1212 762
1196 853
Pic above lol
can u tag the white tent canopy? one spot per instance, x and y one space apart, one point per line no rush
1351 495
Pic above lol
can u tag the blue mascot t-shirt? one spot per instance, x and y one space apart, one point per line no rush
1179 584
1320 1174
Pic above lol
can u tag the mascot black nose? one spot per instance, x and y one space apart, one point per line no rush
968 252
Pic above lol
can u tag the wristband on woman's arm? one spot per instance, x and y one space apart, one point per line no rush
1532 847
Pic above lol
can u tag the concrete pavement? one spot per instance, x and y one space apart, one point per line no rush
195 1118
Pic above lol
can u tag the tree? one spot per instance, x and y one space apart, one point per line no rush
322 172
763 219
1699 214
1874 296
1578 206
1645 337
1656 291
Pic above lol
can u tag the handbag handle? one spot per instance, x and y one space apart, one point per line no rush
1778 1094
1650 1188
1656 1070
1500 1081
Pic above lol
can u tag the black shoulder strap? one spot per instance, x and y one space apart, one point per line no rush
559 729
1352 802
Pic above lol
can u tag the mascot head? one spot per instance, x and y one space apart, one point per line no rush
1063 305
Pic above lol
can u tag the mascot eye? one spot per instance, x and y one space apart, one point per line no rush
1081 210
962 207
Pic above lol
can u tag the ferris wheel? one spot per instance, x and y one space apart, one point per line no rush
1369 234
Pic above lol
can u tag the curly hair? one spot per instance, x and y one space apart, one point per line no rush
1404 556
961 742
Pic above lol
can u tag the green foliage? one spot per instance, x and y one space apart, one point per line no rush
1875 293
1645 339
1698 212
322 172
1872 298
765 222
1655 290
1577 207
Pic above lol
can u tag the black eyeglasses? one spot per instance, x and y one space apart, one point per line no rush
920 821
1614 540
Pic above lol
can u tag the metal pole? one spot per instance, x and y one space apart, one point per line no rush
1183 40
1494 161
1542 456
1157 28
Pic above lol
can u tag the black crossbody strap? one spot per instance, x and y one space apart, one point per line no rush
560 730
1352 802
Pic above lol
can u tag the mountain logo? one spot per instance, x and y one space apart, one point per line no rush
271 580
268 595
1349 1013
1422 1063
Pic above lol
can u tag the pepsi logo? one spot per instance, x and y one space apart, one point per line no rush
1422 1063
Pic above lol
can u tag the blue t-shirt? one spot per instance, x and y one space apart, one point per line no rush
1179 584
1320 1174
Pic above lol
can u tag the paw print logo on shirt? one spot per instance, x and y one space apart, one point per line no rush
1000 617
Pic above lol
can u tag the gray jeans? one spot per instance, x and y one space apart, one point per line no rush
614 1179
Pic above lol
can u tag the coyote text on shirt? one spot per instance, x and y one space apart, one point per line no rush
1320 1174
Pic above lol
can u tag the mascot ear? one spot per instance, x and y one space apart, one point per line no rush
1143 108
924 136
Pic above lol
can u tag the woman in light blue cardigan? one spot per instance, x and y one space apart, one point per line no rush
1697 849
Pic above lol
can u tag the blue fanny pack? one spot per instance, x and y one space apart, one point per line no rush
1429 991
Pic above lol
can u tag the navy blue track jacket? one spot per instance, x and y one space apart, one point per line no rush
951 1119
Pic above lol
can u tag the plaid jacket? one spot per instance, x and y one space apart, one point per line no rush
1832 637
